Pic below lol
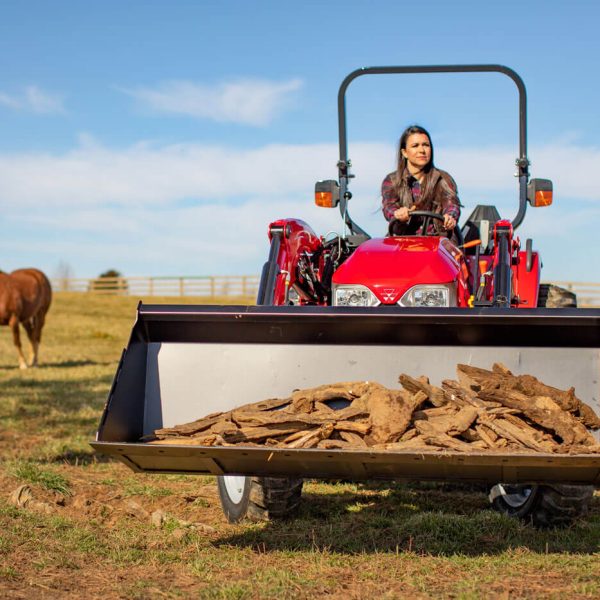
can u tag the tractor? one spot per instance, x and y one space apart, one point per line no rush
349 307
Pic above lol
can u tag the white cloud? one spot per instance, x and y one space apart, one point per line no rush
196 209
248 101
147 174
9 101
35 100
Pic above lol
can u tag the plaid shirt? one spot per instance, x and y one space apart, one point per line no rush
391 202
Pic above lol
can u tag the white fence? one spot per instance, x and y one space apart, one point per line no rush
588 294
209 286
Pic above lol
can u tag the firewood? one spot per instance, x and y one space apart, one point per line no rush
489 436
486 410
546 413
517 435
358 427
304 400
353 438
416 443
191 428
269 404
409 434
429 413
335 445
438 438
282 417
312 438
531 386
452 424
434 394
257 434
224 428
391 412
460 395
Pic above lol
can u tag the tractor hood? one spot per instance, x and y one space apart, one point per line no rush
392 265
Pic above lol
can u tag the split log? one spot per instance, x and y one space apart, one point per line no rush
529 385
391 412
355 440
545 412
304 400
462 396
434 394
452 424
312 438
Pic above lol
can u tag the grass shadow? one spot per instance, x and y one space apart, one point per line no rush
63 364
420 518
67 364
81 458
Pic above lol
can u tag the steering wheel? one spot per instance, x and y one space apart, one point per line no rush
427 217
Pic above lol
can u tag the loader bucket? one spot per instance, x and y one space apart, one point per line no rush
185 362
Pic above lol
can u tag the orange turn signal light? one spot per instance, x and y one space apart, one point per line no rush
324 199
542 198
471 244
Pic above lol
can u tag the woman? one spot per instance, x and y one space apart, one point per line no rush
418 185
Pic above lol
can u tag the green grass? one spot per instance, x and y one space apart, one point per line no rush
349 540
33 473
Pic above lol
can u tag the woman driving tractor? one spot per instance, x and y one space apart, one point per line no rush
418 185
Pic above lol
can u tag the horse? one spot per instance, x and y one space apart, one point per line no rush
25 297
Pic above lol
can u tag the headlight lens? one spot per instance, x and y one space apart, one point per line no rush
430 295
354 295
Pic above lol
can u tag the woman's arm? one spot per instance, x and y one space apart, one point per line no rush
389 199
449 201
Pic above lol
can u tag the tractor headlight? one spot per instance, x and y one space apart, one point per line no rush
430 295
354 295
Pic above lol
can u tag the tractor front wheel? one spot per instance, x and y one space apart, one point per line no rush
258 498
542 505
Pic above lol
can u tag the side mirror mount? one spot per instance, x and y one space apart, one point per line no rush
327 193
539 192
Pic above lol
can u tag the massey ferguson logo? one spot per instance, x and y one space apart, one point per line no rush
388 294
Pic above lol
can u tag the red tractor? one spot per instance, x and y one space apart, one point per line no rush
350 308
487 267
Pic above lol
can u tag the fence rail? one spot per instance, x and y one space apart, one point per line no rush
209 286
588 294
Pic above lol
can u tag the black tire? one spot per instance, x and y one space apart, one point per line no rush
542 505
258 498
545 505
553 296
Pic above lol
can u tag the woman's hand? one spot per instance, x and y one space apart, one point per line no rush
449 222
402 214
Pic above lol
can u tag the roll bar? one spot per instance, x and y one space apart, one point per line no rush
344 163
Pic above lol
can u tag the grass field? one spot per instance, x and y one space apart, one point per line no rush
94 529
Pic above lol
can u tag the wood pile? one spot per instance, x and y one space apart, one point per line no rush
482 411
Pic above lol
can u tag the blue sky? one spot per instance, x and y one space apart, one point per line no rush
161 137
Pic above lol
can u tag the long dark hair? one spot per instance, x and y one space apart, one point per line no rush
399 178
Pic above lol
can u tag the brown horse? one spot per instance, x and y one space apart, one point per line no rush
25 296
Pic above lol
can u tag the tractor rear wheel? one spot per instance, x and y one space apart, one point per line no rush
542 505
553 296
258 498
